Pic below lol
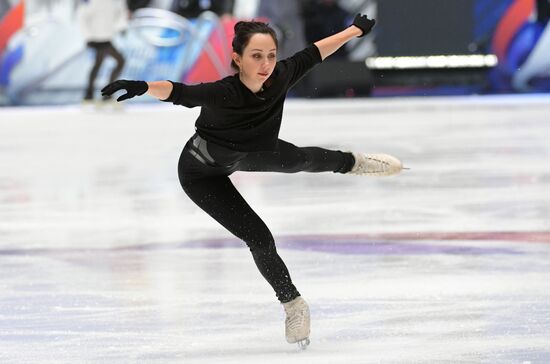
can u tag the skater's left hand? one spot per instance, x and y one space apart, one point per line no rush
132 88
364 23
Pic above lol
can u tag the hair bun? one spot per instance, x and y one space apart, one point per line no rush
238 25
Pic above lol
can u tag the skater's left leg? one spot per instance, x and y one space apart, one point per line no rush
288 158
218 197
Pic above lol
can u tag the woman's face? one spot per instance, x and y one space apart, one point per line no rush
258 59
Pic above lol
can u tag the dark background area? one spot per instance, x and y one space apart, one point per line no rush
424 27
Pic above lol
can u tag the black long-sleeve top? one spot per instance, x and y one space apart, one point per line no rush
233 116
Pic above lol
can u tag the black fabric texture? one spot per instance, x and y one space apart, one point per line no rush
233 116
209 186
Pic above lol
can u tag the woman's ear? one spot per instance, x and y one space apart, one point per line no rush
236 58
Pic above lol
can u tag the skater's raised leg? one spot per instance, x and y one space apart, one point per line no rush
288 158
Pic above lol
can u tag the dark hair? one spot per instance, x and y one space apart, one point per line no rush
244 30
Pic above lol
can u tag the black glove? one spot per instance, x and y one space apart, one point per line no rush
132 88
363 23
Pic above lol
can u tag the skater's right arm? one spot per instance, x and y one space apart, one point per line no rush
160 89
204 94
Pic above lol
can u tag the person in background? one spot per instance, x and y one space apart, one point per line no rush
194 8
134 5
4 7
100 21
238 130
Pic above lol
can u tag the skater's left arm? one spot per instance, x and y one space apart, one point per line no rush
300 63
361 26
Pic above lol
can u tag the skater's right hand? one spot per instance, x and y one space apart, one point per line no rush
132 88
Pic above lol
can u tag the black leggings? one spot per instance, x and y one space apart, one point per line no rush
203 171
102 50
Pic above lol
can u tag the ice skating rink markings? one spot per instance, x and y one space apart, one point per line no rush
103 259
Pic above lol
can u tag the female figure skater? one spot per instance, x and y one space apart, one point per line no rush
237 130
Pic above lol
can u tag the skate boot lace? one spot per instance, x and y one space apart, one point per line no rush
375 165
295 320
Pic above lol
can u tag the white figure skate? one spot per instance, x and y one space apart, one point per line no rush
375 165
297 323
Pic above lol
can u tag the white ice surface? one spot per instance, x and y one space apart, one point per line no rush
103 259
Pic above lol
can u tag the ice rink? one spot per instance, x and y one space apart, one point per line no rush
104 259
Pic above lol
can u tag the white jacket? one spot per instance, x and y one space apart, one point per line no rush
101 20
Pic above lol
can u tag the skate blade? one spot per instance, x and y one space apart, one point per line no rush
303 344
